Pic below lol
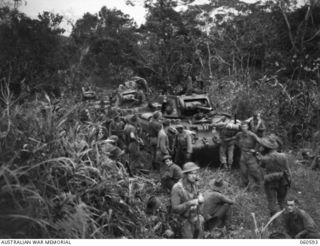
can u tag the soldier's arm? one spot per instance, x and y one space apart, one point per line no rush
162 145
252 134
237 138
225 199
308 224
189 147
132 135
170 172
177 206
289 160
262 126
262 158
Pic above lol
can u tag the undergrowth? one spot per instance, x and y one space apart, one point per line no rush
56 182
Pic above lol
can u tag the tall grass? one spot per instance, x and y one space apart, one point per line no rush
55 180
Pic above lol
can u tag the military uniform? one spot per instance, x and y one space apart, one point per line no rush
154 128
116 127
172 176
249 168
190 219
299 224
183 148
257 126
132 144
216 209
226 148
316 150
140 98
277 179
112 151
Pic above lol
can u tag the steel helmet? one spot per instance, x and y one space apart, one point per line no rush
189 167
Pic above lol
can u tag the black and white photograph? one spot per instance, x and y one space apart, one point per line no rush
159 119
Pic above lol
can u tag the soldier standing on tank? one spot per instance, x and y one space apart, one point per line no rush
189 86
182 146
140 98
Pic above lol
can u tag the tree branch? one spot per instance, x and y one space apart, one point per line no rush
288 26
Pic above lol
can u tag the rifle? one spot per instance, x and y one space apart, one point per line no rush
287 177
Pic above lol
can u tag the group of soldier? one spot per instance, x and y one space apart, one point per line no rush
262 165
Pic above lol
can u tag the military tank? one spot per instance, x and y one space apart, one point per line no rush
196 114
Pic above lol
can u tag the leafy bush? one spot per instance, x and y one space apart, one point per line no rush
56 182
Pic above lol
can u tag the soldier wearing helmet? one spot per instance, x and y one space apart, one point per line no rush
185 201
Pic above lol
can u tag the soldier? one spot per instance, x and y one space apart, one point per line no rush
85 116
163 143
116 127
185 202
164 104
133 141
249 168
140 98
173 174
316 150
110 147
172 132
298 223
216 206
189 86
277 178
227 131
256 124
156 218
155 126
182 146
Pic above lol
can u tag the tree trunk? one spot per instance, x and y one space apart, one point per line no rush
209 60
